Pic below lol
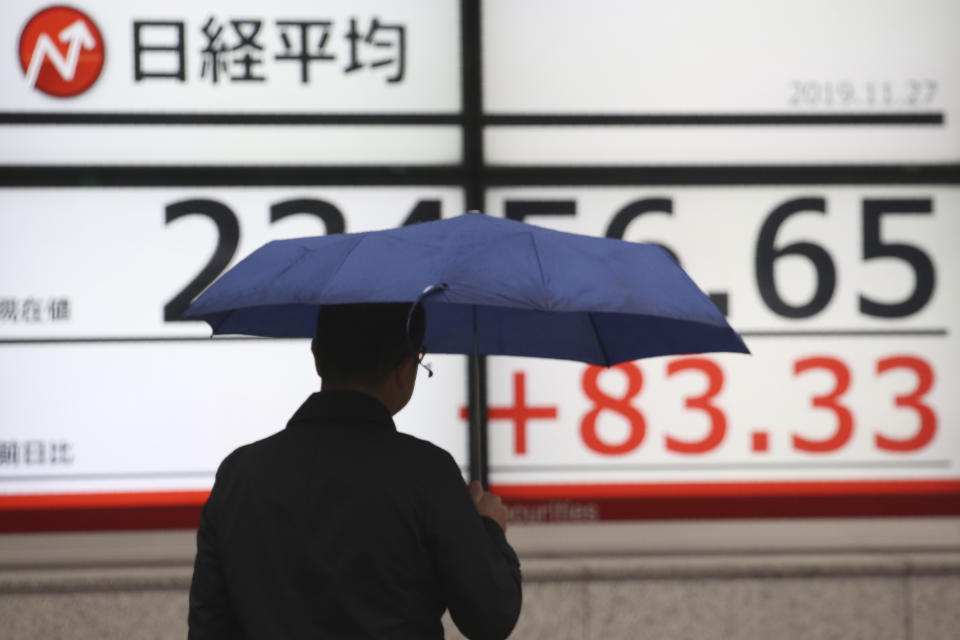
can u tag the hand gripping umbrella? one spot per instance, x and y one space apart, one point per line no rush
489 287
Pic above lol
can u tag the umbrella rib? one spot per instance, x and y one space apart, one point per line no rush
222 321
336 273
536 254
603 350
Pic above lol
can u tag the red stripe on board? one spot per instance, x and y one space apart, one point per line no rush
618 509
99 519
542 503
520 492
101 500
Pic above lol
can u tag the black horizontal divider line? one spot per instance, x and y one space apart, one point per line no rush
745 176
217 119
844 333
492 176
707 466
788 333
245 176
716 119
925 118
112 475
129 339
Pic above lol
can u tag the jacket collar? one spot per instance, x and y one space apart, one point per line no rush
342 406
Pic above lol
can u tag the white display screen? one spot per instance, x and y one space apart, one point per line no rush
845 297
697 82
105 391
799 159
231 83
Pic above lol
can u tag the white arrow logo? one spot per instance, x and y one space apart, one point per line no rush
77 35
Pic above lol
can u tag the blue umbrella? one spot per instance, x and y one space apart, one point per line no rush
500 287
489 287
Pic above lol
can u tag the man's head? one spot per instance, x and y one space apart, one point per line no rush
367 346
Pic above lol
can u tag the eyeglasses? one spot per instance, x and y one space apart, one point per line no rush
420 356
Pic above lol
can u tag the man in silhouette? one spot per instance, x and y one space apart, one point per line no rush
338 526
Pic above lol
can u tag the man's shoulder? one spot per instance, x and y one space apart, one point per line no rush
418 448
251 450
404 446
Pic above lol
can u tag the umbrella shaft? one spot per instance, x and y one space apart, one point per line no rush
477 396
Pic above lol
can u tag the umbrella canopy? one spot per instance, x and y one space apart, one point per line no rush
510 289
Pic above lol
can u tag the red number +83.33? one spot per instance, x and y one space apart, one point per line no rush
832 401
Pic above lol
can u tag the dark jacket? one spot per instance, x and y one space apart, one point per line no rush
341 527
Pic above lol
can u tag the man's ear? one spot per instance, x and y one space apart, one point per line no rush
402 371
315 350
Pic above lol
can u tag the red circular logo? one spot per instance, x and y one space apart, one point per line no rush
61 52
